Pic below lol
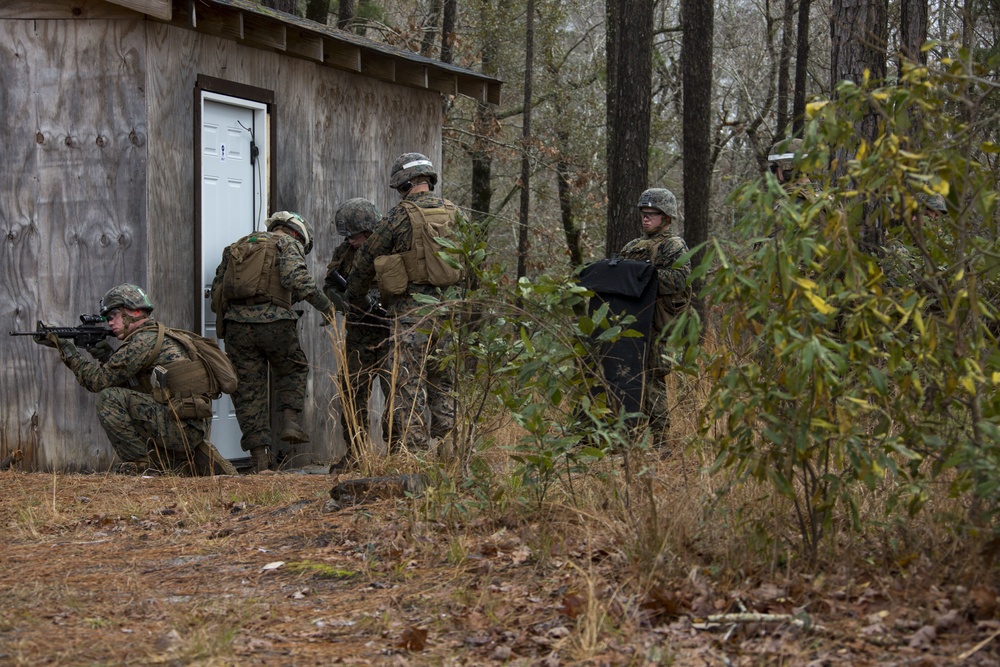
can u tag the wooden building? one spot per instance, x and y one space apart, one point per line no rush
142 136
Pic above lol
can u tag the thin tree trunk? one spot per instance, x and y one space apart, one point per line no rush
345 14
522 229
287 6
448 30
571 231
784 64
318 10
430 28
912 31
698 18
630 81
801 68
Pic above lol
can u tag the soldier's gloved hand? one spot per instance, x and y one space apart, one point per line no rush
102 351
337 299
329 317
46 340
67 348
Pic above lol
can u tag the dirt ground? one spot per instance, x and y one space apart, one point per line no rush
265 570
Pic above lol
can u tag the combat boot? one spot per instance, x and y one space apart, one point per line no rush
260 458
290 429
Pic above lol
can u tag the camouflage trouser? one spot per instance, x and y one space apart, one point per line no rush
421 401
252 348
131 418
654 395
366 345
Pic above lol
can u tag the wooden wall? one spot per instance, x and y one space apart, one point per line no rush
97 189
72 210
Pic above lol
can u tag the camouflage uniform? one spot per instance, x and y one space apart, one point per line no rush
264 334
662 248
366 342
421 403
126 409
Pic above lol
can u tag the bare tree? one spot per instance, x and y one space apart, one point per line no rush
448 29
697 19
287 6
430 26
801 68
630 80
522 228
784 64
912 30
345 14
318 10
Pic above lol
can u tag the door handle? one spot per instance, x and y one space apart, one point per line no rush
208 292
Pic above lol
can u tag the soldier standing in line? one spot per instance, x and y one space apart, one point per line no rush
399 256
659 245
255 285
137 418
367 334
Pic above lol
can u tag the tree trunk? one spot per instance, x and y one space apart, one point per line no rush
480 150
318 10
287 6
522 228
448 30
571 231
345 14
430 28
912 31
698 18
630 82
784 64
858 36
801 68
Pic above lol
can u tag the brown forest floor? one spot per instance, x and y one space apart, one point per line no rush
112 570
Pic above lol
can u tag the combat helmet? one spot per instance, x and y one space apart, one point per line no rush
933 202
128 296
294 222
661 199
355 216
782 154
407 167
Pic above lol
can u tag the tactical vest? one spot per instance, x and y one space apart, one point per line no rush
423 266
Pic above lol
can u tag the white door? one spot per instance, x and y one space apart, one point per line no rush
233 203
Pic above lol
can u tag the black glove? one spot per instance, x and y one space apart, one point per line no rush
337 299
102 351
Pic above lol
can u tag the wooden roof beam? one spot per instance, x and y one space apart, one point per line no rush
411 74
161 9
443 82
378 66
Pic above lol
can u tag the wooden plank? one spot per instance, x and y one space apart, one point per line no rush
443 82
344 56
220 22
378 66
62 9
74 200
411 74
264 32
161 9
305 45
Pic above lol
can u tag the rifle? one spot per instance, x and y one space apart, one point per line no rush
87 335
374 307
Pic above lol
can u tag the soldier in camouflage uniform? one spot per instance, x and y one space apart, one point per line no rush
659 245
367 334
421 401
140 428
261 334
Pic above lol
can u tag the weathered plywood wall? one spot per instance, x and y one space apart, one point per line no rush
72 211
338 134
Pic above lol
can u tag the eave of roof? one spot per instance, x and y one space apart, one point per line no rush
252 24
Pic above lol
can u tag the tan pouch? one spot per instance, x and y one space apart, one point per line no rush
391 275
191 407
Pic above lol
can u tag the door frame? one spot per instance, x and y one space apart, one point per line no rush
263 96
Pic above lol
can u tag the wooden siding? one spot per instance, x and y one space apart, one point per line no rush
72 207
